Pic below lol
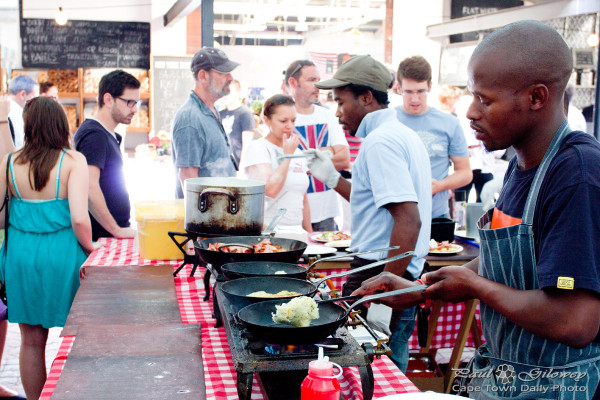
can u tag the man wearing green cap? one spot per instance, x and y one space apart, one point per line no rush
390 193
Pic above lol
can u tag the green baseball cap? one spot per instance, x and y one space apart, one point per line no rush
360 70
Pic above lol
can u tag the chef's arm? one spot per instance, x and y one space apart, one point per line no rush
341 156
99 210
405 232
570 317
186 173
461 176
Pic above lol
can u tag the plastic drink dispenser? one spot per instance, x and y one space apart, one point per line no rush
321 384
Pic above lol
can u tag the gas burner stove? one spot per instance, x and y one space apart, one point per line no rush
280 368
261 348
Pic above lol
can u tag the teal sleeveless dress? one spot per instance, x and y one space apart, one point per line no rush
43 257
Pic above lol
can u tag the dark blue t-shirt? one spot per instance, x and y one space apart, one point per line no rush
102 150
566 224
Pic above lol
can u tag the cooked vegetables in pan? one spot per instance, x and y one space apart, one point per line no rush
264 246
297 312
283 293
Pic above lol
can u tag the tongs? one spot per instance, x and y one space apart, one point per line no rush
363 268
362 299
352 255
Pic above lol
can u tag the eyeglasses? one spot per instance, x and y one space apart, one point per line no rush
131 103
300 65
410 93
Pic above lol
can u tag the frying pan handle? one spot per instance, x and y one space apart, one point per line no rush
233 207
221 247
398 292
352 255
365 267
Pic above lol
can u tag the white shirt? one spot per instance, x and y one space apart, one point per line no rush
320 129
291 195
576 119
16 117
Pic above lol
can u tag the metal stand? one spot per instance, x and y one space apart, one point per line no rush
193 260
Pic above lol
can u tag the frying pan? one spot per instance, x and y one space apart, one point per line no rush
268 268
257 319
292 250
263 269
237 290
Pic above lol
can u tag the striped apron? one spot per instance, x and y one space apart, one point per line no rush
514 363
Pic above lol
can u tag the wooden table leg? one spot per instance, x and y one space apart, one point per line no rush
465 326
433 320
476 333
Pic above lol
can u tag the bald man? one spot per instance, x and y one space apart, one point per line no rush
538 274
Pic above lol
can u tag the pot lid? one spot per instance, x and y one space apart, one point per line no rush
241 186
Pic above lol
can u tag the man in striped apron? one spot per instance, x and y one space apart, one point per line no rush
538 274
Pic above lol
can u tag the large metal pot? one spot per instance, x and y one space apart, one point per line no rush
224 206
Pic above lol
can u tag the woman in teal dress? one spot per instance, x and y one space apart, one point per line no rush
48 233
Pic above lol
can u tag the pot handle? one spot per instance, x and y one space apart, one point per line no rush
203 199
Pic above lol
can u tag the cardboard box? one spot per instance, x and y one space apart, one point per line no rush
424 372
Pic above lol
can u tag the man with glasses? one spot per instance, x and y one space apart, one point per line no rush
317 128
118 102
441 133
200 145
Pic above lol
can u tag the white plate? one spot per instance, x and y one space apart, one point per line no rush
317 237
419 396
458 249
338 244
314 250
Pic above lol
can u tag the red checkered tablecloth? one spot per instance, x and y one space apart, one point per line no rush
220 376
57 367
120 252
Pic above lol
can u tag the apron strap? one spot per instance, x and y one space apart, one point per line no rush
562 132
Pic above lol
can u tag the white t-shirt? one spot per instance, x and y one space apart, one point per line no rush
576 119
291 195
16 117
320 129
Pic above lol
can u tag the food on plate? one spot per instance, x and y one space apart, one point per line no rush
283 293
443 247
333 236
297 312
264 246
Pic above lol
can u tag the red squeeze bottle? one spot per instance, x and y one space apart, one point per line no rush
320 384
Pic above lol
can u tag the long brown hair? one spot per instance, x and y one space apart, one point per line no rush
46 135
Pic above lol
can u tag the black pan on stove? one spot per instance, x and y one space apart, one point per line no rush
257 318
237 290
292 250
263 269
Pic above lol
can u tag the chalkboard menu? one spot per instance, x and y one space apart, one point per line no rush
85 44
172 83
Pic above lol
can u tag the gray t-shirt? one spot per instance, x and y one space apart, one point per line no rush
443 137
199 141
